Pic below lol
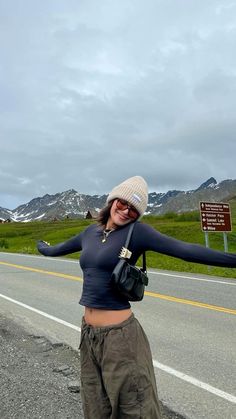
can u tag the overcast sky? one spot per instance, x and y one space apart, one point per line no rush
93 92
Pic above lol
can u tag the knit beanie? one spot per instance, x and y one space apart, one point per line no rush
133 190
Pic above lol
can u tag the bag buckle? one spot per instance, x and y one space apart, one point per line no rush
125 253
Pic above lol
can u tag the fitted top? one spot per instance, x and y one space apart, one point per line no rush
98 259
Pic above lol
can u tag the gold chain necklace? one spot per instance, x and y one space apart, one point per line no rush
106 233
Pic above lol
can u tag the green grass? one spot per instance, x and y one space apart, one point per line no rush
22 238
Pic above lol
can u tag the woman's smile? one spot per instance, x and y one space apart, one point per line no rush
122 216
118 217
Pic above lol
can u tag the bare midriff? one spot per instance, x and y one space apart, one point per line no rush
99 318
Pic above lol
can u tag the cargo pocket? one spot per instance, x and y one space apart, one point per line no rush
138 399
129 405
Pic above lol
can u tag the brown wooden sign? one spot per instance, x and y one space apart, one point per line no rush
215 216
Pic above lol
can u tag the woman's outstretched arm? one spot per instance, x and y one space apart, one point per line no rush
150 239
70 246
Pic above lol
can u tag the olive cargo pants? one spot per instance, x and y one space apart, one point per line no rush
117 375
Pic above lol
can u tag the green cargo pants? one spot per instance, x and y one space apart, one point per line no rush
117 375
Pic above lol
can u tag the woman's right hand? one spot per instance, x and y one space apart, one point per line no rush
43 241
41 245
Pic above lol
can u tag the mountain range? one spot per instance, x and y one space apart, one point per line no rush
72 204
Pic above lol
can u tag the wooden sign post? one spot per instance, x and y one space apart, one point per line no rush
215 217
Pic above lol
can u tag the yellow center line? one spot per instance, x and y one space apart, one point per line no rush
190 302
149 293
42 271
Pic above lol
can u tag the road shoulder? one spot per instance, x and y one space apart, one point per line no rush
40 378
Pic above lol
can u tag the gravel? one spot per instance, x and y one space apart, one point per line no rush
38 378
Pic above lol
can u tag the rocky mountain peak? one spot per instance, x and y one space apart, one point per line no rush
210 183
72 204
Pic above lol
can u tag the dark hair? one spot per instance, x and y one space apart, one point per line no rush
104 214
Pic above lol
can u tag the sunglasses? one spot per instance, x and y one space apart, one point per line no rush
123 205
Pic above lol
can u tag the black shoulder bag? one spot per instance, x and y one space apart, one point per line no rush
129 280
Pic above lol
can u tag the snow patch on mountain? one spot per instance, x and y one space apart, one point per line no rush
72 204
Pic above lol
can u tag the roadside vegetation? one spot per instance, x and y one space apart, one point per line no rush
22 238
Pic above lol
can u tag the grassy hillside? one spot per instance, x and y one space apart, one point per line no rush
22 237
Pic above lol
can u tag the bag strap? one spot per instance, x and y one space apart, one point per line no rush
131 228
144 268
129 235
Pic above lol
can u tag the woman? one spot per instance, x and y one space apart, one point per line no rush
117 376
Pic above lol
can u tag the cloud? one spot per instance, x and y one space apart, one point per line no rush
93 92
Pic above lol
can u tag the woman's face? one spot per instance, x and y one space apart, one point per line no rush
119 217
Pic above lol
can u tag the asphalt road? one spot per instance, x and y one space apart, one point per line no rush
189 319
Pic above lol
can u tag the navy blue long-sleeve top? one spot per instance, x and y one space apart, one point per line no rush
98 259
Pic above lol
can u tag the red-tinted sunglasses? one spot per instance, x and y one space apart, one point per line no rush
123 205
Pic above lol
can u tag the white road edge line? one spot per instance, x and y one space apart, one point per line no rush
42 313
41 257
195 382
165 368
149 272
192 277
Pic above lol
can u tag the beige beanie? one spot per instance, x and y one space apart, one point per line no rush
133 190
